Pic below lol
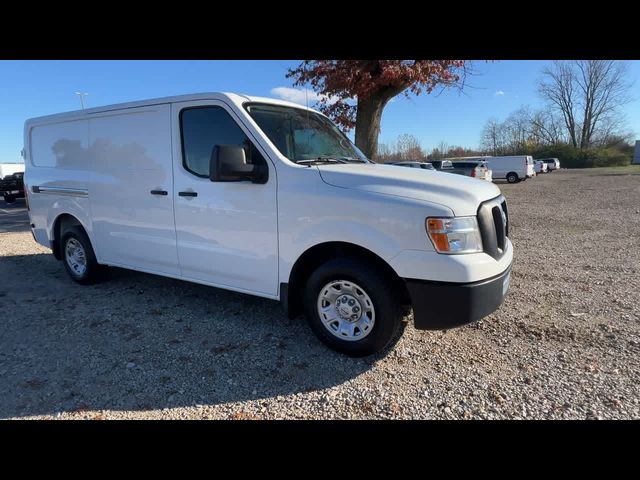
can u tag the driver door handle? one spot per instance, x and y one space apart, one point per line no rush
188 194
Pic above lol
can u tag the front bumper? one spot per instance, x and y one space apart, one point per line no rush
443 305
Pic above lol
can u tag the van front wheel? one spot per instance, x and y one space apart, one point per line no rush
78 257
352 308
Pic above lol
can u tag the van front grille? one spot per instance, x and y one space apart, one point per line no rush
493 221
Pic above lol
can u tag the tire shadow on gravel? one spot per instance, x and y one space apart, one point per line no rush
142 342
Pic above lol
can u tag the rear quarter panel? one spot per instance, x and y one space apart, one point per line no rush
56 156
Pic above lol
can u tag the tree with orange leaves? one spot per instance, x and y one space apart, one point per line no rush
371 84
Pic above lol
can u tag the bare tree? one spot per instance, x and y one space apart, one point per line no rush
604 88
517 128
585 93
409 148
521 130
492 139
546 128
435 154
557 87
443 147
612 131
384 153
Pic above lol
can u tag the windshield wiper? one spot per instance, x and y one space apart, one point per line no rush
322 159
353 160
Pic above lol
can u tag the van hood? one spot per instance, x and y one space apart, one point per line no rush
461 194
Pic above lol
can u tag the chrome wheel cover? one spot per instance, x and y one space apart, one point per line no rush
75 257
346 310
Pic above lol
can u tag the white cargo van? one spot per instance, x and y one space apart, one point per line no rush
514 168
267 198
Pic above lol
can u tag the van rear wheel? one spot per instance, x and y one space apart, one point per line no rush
78 257
352 307
512 177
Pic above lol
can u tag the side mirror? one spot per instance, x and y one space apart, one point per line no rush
228 163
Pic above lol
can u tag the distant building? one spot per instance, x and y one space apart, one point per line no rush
636 154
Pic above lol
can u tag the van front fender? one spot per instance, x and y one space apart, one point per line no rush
362 235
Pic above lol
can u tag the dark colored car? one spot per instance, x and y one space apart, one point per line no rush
12 187
441 164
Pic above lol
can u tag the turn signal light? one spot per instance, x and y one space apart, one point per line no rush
454 235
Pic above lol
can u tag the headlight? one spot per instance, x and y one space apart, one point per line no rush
454 235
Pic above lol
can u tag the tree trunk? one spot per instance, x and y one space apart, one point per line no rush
368 117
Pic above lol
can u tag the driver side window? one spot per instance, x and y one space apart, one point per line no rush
202 128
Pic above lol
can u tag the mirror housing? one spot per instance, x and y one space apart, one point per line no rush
228 163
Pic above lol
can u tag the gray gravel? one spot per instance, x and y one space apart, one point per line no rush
565 344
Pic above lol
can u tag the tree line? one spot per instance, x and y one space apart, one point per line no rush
407 147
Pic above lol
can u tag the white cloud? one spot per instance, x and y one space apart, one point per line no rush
498 93
299 95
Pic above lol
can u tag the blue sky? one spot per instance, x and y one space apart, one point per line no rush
34 88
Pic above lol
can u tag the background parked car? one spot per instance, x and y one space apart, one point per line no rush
12 187
552 163
540 166
7 169
472 168
444 165
423 165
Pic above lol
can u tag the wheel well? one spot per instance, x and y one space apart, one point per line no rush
316 256
62 223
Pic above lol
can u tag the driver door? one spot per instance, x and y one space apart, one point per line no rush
227 232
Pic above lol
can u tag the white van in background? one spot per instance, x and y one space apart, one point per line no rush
267 198
513 168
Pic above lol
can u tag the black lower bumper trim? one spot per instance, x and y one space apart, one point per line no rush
442 305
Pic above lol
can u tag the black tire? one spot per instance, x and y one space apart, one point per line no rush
512 177
387 327
9 198
94 272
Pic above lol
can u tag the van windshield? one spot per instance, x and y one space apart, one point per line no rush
304 136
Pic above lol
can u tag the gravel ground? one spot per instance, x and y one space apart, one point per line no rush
565 344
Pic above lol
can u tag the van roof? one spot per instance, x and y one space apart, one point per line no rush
237 99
